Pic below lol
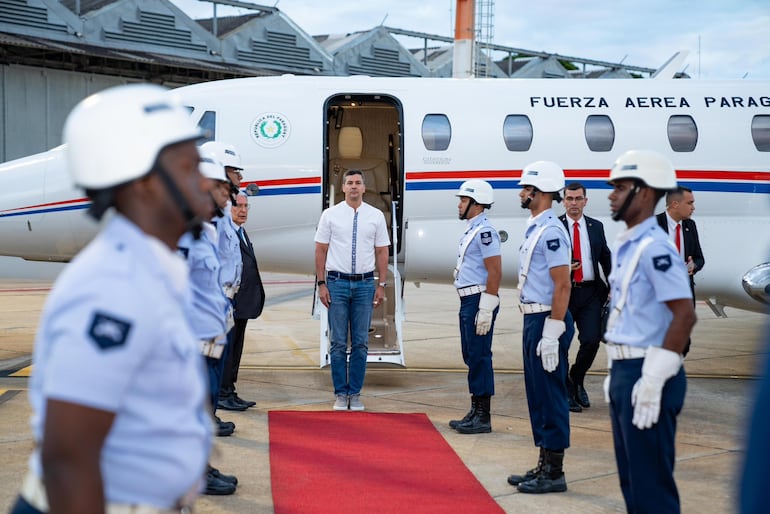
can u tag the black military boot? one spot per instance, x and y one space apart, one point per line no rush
551 477
480 422
529 475
453 423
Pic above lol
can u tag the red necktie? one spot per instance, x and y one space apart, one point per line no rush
578 275
678 238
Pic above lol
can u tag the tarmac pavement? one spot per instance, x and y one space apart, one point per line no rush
280 371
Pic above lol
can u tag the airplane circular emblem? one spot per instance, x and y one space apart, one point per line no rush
270 130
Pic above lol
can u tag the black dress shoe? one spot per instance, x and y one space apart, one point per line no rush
230 479
217 487
581 396
247 403
224 428
574 406
230 404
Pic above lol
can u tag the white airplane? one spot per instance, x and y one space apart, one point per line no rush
418 139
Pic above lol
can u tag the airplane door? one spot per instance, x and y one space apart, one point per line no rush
364 132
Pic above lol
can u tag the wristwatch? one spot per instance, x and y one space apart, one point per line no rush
321 282
383 284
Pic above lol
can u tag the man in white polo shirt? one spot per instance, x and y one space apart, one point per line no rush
350 242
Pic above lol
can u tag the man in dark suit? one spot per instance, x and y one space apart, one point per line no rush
682 231
589 290
249 301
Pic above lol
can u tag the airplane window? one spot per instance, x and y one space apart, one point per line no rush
436 132
208 123
517 132
682 133
600 133
760 132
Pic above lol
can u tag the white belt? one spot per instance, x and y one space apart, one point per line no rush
33 492
534 308
211 349
619 352
230 290
467 291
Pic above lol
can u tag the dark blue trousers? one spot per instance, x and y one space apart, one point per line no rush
22 507
645 458
477 350
546 392
216 369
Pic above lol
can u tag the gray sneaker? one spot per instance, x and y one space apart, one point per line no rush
341 403
355 402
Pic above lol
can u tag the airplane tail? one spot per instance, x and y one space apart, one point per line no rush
671 66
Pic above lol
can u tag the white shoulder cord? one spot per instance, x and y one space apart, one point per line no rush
528 258
632 264
464 248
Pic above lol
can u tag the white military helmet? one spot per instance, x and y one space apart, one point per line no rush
652 168
547 176
211 167
115 136
227 154
479 190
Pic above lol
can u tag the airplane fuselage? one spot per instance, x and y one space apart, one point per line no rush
423 137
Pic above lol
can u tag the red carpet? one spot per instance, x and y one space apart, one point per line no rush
368 462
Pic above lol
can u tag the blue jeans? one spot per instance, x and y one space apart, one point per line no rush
350 311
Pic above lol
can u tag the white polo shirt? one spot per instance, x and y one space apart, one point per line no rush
335 228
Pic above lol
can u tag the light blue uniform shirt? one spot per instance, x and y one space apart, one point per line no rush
485 243
551 250
114 337
660 276
229 250
208 303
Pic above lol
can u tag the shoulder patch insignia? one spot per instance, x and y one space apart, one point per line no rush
108 331
661 262
486 238
553 244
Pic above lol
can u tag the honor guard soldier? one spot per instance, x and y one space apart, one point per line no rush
209 305
544 283
229 253
650 321
114 331
477 279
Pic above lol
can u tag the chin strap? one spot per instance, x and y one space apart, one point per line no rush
623 208
193 223
464 215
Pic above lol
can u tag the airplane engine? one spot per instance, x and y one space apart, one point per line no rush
756 282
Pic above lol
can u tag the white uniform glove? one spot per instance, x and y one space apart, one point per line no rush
487 305
659 365
607 380
548 347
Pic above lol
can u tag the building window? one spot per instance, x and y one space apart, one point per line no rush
517 132
760 132
436 132
600 133
682 133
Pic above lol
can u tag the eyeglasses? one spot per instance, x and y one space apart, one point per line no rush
242 206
